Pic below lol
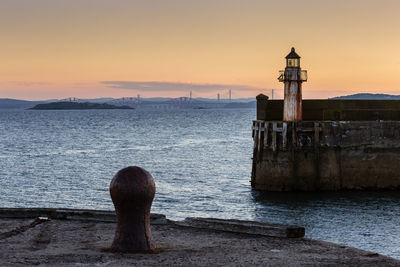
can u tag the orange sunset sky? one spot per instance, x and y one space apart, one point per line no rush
97 48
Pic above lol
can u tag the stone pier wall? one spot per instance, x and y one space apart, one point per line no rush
326 155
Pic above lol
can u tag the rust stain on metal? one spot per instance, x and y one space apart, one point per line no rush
299 104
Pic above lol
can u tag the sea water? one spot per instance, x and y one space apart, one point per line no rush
200 159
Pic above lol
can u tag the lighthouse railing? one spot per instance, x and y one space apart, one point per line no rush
303 75
281 77
298 76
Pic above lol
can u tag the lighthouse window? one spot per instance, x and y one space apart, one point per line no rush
293 62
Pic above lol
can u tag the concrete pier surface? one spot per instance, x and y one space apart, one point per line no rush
60 237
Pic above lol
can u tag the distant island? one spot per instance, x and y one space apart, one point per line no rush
77 105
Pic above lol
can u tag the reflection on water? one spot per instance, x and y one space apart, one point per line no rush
367 220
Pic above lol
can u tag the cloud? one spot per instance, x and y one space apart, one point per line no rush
28 84
151 86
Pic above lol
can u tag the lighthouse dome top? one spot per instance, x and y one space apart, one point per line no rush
292 54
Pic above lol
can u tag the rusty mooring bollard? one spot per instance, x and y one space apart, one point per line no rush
132 191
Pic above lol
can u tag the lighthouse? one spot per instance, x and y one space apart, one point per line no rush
292 77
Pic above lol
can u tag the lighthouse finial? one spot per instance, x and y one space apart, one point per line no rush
292 54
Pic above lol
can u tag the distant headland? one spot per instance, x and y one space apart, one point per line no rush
368 96
77 105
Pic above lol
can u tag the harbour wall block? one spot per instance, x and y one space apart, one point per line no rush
326 155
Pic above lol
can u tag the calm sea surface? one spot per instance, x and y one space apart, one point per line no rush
200 159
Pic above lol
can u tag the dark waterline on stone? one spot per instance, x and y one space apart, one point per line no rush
200 159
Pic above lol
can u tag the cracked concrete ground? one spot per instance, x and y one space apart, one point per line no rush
64 242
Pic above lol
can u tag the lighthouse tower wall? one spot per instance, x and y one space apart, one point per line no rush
292 110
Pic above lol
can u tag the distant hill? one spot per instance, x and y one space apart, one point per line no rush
367 96
17 104
77 105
